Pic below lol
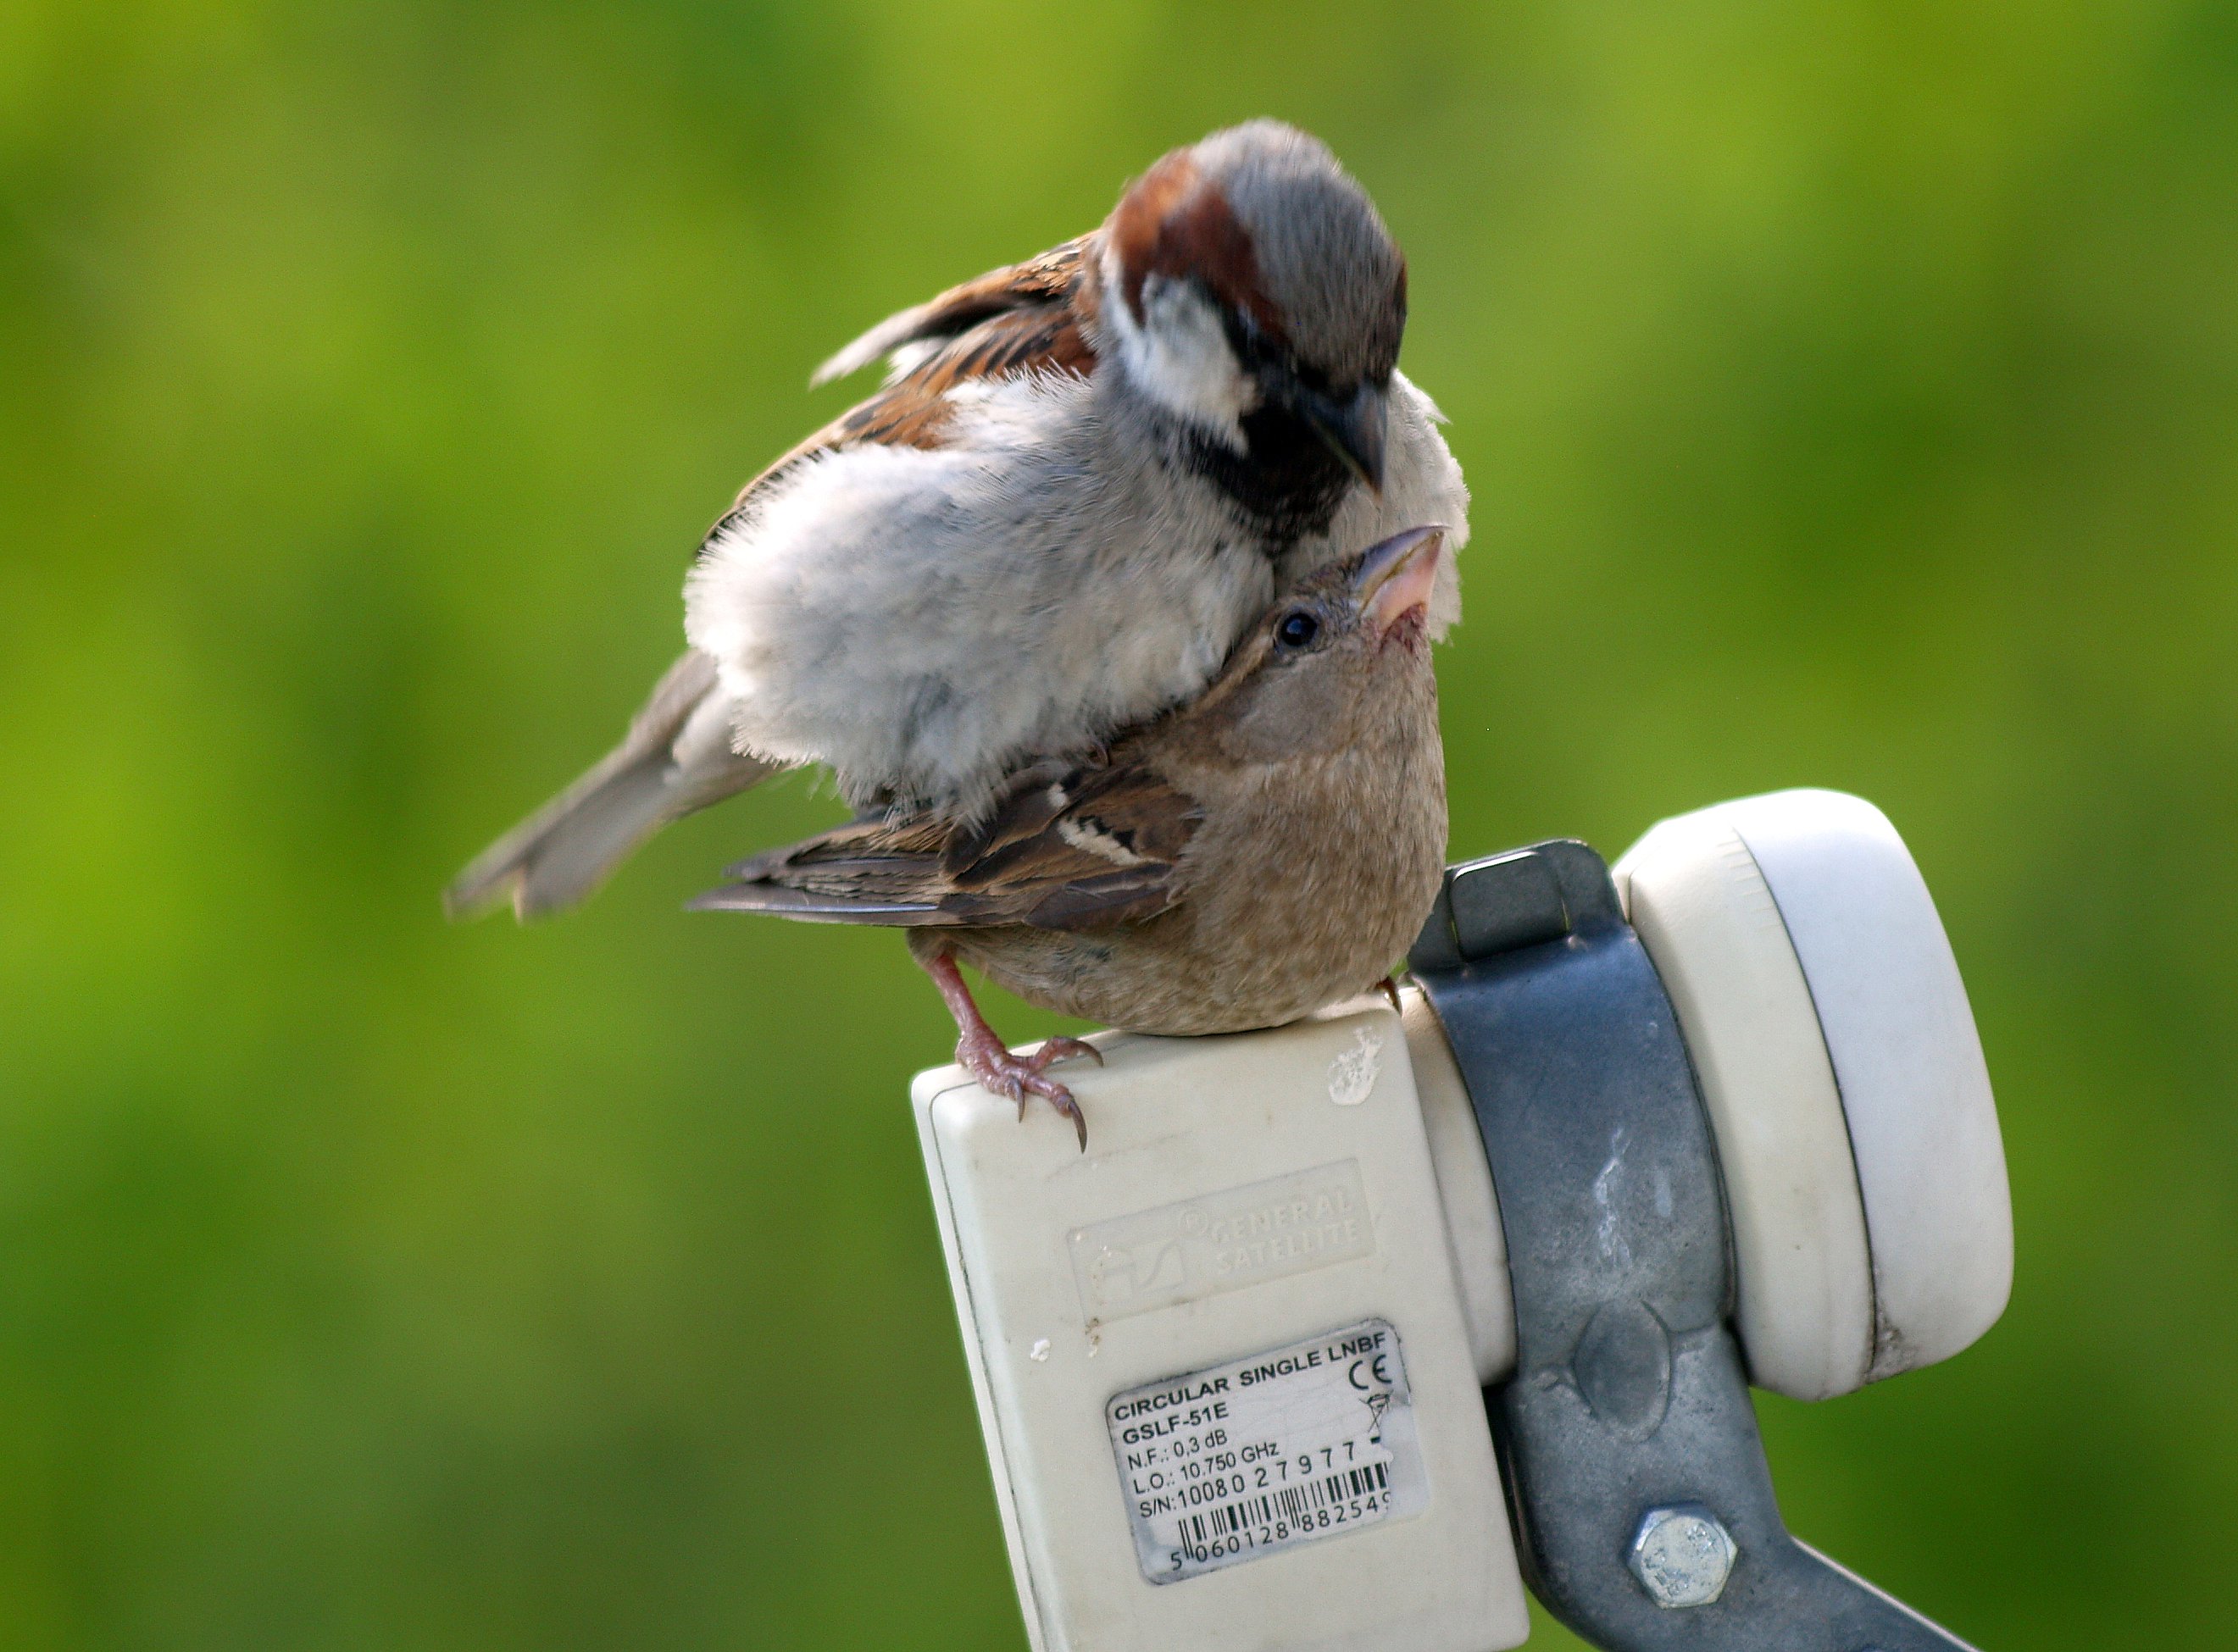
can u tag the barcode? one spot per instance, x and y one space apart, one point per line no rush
1289 1505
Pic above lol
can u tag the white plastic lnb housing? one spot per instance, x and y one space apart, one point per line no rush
1836 1054
1228 1360
1228 1377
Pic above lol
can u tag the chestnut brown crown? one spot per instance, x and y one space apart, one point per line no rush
1277 233
1255 274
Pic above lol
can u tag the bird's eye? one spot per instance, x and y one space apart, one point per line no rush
1296 631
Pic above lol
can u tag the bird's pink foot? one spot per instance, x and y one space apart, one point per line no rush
985 1058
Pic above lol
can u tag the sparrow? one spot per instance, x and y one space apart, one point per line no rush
1082 478
1236 863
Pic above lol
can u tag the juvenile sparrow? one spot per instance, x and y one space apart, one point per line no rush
1269 848
1082 478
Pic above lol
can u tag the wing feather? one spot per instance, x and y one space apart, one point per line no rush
1047 282
1064 849
1034 317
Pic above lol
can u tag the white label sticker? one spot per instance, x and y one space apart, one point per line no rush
1247 1459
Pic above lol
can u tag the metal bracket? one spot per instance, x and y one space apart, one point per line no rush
1642 1499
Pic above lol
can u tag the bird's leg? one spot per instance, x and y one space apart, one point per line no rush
987 1059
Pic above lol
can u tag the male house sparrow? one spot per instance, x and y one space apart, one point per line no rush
1270 847
1083 477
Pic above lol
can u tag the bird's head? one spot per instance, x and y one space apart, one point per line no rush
1342 661
1248 275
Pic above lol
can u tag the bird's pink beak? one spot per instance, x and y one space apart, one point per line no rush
1393 579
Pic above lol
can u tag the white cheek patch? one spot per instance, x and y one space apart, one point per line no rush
1179 354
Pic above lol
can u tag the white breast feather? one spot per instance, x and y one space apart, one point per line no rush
921 619
925 619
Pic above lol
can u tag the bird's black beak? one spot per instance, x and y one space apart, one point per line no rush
1396 577
1353 428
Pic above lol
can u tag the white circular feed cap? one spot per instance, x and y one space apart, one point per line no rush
1872 1224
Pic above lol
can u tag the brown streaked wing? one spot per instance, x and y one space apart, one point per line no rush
1050 280
1071 850
1025 318
1091 821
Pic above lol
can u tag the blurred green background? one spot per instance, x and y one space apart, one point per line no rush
1849 392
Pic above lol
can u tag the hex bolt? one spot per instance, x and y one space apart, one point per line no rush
1682 1554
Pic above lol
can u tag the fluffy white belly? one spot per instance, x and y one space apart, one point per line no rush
922 619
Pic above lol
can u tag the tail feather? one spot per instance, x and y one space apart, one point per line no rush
676 758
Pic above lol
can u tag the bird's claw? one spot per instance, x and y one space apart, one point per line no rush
1002 1072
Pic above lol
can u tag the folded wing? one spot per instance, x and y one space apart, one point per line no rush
1063 850
1032 297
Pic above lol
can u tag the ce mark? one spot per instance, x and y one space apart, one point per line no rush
1375 1366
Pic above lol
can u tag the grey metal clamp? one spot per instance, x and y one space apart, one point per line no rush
1643 1503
